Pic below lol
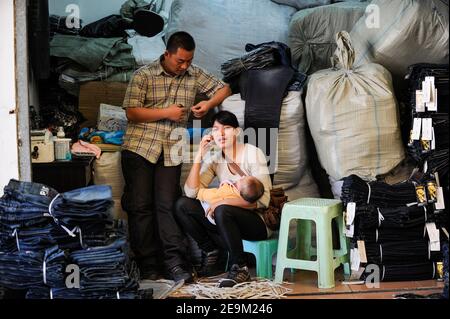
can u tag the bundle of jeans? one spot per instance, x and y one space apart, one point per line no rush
379 194
27 238
405 272
401 252
371 217
82 214
106 268
24 220
384 235
44 292
27 269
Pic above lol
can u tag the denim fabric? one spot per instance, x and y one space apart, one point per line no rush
25 269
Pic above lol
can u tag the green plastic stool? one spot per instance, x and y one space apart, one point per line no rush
263 251
322 212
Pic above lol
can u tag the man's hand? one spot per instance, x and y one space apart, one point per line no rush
199 110
175 112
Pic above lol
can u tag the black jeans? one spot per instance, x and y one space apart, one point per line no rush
233 224
150 193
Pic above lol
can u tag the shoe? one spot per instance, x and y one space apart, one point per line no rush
236 275
149 274
212 264
178 273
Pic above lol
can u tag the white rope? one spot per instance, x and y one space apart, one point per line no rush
370 192
44 271
78 230
50 207
434 270
380 217
425 210
384 271
376 235
381 254
259 289
15 233
51 293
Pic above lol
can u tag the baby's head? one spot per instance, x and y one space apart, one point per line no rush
250 188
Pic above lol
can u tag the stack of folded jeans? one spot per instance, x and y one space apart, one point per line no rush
23 222
83 214
27 269
389 229
42 231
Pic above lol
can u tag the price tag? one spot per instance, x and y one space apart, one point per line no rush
355 259
362 251
433 234
417 126
351 211
427 129
440 204
420 105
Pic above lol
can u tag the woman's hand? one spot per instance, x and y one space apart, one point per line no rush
205 145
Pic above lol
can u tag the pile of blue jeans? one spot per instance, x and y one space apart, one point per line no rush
27 269
42 232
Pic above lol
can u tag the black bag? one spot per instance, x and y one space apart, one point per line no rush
109 27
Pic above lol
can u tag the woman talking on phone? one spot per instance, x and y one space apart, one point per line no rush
228 221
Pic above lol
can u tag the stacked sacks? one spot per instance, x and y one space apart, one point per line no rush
353 118
293 173
245 21
108 171
397 34
312 32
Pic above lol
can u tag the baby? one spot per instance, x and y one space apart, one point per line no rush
248 188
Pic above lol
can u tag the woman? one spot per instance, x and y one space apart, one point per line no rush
235 218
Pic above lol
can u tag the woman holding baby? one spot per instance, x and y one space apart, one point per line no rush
220 218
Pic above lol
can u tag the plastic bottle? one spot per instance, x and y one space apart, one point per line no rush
60 133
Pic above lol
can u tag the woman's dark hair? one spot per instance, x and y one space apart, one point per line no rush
225 118
182 40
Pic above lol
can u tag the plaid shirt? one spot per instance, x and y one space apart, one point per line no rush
152 87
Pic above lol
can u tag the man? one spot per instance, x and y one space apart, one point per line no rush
158 100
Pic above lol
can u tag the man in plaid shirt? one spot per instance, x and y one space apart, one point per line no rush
158 100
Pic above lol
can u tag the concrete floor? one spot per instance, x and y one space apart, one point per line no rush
304 285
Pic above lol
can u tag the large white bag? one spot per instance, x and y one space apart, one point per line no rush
221 29
312 32
108 171
408 32
353 117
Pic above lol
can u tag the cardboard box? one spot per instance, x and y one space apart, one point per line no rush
94 93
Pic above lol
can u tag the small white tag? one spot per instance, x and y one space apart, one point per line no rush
415 136
362 251
349 230
425 167
351 211
433 235
440 204
355 259
426 89
427 127
420 106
